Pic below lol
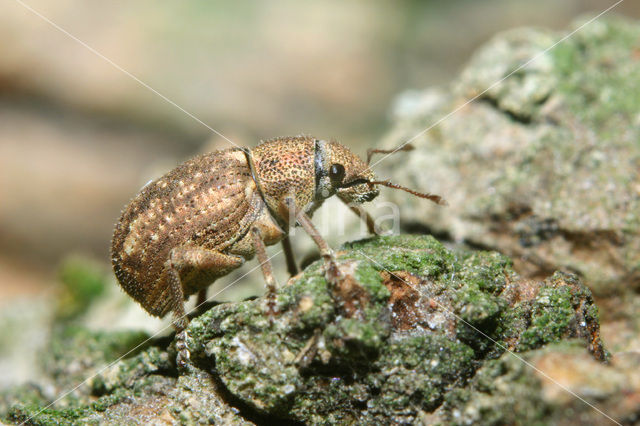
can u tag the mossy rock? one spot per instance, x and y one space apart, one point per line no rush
409 324
535 147
419 320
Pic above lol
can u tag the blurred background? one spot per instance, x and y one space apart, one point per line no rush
79 137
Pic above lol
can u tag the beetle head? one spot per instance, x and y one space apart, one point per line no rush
313 170
339 171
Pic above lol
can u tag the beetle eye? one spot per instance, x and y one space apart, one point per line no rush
336 173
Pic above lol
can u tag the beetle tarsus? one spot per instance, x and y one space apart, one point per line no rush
183 359
333 273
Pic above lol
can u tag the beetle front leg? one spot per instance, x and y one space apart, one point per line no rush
364 216
267 271
333 273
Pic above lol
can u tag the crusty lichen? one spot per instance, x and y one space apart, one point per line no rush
319 358
411 324
542 164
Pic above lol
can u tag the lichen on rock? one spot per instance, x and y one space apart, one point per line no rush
411 322
540 158
427 318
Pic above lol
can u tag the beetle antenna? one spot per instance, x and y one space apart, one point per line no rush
432 197
371 151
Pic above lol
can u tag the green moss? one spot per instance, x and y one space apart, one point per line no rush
487 271
311 288
101 346
357 356
479 316
503 391
73 346
553 312
507 390
594 85
113 398
356 340
337 355
423 256
82 283
35 415
424 367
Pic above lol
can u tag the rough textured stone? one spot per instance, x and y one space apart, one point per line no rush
411 323
547 390
543 166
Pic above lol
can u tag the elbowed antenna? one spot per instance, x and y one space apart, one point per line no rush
371 151
406 147
431 197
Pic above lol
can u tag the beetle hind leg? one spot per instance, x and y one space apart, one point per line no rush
182 258
180 320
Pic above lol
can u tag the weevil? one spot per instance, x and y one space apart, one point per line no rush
211 214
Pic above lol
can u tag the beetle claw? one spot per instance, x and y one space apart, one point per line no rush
183 359
333 274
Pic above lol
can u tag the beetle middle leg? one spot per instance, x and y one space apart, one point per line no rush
292 266
202 297
191 258
364 216
267 271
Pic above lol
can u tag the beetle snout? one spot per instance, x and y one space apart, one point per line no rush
369 196
358 194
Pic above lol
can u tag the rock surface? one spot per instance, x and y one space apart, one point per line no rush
414 332
536 148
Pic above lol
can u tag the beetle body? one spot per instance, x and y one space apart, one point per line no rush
194 224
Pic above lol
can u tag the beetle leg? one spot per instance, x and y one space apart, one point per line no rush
365 217
333 273
202 297
292 266
267 271
180 320
182 258
309 351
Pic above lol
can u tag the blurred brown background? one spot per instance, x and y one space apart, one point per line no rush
78 137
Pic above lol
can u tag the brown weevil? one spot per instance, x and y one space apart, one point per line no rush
212 213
